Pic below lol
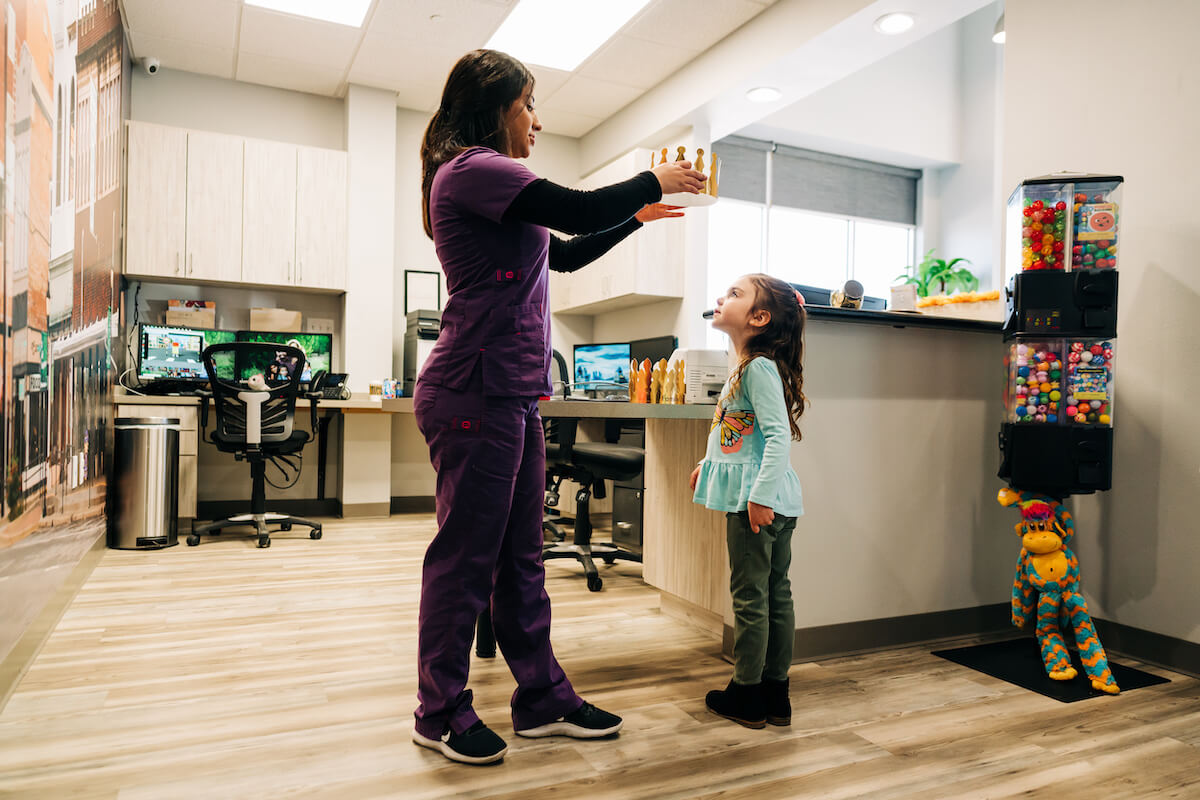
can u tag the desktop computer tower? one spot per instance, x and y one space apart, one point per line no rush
419 339
629 497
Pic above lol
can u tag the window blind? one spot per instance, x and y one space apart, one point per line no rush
743 168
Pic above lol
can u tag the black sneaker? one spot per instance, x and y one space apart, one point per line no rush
588 722
478 744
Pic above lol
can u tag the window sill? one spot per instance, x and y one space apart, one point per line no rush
901 319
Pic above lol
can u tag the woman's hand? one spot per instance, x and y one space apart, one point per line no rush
678 176
695 477
759 515
657 211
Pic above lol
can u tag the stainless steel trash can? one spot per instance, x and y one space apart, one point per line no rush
144 508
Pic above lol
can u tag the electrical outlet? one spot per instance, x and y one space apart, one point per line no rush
319 325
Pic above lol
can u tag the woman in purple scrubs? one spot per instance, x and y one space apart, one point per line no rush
476 399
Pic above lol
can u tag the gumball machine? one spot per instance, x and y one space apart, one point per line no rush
1061 326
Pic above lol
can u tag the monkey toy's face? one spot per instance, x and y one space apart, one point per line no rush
1041 537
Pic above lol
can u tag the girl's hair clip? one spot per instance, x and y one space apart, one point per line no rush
799 297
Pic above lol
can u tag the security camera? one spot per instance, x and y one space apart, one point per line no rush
150 65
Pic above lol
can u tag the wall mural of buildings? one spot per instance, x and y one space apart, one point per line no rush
66 94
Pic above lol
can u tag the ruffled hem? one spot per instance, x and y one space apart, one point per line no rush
724 486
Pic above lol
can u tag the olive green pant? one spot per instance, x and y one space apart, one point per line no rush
764 624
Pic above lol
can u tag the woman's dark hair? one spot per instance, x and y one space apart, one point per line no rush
781 340
481 88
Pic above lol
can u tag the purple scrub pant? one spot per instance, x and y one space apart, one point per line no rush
490 458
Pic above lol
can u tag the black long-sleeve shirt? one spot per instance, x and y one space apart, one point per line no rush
600 218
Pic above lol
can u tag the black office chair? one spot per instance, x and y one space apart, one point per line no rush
589 464
255 423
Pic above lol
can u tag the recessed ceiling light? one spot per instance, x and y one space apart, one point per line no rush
998 33
894 23
341 12
551 33
763 94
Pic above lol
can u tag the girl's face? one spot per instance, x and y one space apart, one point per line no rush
735 312
522 123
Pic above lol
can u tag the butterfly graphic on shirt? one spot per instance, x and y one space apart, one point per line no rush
734 426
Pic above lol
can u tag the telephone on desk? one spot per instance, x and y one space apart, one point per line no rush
331 385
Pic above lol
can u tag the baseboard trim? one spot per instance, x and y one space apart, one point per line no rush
827 641
1177 655
220 509
22 654
686 611
413 505
360 510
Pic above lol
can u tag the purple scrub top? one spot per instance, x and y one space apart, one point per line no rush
496 272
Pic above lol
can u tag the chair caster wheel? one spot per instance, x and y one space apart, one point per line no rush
315 534
285 526
610 560
264 541
193 540
594 582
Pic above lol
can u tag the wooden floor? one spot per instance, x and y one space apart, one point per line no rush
226 671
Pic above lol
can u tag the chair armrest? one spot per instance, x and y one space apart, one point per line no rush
314 398
205 398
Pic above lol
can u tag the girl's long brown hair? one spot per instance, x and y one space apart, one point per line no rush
481 88
781 340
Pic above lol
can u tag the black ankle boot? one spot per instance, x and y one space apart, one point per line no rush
777 702
742 703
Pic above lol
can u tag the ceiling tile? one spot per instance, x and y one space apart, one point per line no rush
269 33
546 82
461 25
691 24
284 73
416 72
212 23
636 62
184 55
566 123
590 97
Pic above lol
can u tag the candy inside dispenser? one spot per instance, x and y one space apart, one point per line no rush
1096 205
1089 386
1035 391
1038 217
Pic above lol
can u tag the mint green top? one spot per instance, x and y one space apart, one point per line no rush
749 448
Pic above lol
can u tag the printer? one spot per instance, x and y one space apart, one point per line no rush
704 373
419 339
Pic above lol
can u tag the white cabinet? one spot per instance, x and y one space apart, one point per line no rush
269 213
156 201
210 207
646 267
214 207
321 218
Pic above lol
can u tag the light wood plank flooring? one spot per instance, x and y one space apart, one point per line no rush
226 671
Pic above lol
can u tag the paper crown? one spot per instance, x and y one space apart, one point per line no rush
704 161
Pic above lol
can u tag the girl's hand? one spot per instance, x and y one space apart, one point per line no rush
759 515
657 211
678 176
695 477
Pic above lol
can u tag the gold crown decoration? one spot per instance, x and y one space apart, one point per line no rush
708 163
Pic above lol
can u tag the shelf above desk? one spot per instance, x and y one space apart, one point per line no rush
355 405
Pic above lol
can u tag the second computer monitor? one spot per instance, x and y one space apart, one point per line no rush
601 367
317 349
657 349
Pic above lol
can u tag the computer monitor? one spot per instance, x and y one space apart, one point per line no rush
223 362
317 349
601 367
166 352
657 349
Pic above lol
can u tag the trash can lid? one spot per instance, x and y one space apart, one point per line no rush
142 422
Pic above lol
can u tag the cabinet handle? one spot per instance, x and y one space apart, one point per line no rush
299 270
177 262
289 269
191 264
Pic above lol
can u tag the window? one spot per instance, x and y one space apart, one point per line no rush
881 252
807 248
734 248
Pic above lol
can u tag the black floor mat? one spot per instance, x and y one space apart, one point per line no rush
1019 661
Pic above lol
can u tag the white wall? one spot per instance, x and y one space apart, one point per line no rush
1138 116
202 102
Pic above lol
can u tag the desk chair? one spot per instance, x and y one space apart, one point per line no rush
255 423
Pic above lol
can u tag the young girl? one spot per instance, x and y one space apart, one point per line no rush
747 474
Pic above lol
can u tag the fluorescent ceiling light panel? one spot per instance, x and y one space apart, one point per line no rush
341 12
561 34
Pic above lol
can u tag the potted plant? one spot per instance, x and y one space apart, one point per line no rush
938 276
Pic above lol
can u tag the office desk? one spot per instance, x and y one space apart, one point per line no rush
683 545
186 408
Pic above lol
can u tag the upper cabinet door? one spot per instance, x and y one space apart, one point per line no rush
156 202
321 218
214 207
269 214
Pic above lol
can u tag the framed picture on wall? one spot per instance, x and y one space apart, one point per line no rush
422 289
